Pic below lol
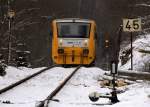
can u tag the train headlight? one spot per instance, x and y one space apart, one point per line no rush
86 42
60 42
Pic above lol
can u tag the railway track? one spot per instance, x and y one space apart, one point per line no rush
46 101
50 97
25 79
134 75
119 77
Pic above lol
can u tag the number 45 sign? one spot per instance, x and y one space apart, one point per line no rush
132 25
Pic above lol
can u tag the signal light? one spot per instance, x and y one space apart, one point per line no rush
86 43
106 43
60 42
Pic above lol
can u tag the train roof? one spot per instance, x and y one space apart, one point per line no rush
73 20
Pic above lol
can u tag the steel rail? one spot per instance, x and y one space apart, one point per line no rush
24 79
121 77
133 76
45 102
137 76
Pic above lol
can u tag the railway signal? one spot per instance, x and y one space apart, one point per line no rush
114 70
132 25
113 95
106 43
106 40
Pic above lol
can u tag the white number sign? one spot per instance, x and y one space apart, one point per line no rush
132 25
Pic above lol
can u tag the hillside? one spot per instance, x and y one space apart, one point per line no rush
141 54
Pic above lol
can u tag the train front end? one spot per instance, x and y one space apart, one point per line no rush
73 41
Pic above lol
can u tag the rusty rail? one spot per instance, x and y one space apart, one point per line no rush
45 102
137 76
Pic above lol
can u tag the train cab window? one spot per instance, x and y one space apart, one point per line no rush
73 30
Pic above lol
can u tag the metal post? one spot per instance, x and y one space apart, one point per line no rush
131 52
114 98
9 45
9 36
107 58
10 15
113 82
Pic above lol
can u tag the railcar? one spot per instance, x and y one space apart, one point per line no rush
73 41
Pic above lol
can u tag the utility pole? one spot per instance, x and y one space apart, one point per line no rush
10 15
9 36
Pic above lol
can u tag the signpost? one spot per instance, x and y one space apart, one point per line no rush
132 25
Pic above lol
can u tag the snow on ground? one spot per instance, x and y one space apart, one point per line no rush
36 89
139 58
136 96
75 93
14 74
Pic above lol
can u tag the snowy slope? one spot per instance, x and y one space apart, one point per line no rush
14 74
36 89
139 58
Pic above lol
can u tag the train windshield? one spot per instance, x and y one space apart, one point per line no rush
73 30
